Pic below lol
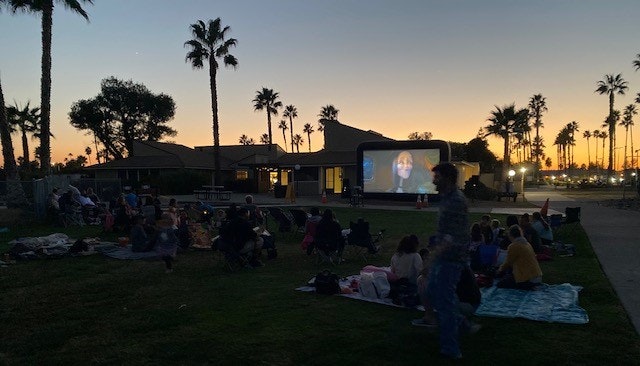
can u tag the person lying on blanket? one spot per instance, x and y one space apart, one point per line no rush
520 269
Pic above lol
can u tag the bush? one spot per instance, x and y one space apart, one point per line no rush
479 191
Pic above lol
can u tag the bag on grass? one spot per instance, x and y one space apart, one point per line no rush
327 283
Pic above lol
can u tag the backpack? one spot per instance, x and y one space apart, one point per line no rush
327 283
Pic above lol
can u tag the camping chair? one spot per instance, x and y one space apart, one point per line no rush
227 255
555 221
327 251
284 222
571 220
299 218
360 242
356 199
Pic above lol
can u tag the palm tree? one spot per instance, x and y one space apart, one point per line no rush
636 62
506 121
88 151
267 99
210 44
572 128
245 140
603 136
15 193
45 7
283 126
327 113
627 122
308 129
24 120
587 135
537 106
290 112
264 138
596 135
297 140
611 85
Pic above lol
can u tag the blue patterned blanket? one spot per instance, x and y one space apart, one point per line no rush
550 303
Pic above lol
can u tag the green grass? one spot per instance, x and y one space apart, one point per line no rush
96 310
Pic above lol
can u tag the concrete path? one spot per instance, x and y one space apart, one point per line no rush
615 238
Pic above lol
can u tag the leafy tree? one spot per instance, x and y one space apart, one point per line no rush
505 122
327 113
245 140
537 106
123 112
611 85
478 150
25 120
210 44
264 138
308 129
267 99
290 112
420 136
45 7
627 123
297 140
283 126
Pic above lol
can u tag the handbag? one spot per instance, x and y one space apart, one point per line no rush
327 283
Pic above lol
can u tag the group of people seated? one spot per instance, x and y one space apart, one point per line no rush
73 207
324 233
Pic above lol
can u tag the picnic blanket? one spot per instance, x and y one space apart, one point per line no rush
113 250
550 303
51 246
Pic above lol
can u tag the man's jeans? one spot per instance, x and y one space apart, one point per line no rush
441 292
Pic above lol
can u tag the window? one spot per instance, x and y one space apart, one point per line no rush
242 175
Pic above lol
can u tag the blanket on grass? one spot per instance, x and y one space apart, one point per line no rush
550 303
113 250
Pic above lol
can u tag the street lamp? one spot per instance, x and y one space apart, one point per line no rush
512 173
522 170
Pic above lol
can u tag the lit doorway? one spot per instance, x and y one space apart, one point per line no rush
333 180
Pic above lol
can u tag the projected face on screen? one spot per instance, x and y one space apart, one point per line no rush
399 171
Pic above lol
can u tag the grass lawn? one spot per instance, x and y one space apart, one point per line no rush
96 310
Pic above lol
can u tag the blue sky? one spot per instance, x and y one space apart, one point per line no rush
390 66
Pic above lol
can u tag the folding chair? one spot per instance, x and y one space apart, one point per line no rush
227 255
571 221
327 251
299 218
284 222
360 242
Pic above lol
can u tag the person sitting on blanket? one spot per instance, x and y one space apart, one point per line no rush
485 227
166 241
530 233
139 239
310 229
511 220
329 234
498 232
238 235
542 228
520 269
406 262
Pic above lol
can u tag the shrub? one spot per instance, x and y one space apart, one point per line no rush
479 191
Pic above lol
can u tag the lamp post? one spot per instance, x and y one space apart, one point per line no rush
512 173
522 170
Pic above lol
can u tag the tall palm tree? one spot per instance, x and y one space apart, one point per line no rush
15 192
572 128
283 126
611 85
297 140
88 151
327 113
627 122
506 121
211 45
290 112
603 136
587 135
24 120
308 129
45 7
264 138
537 106
596 135
267 99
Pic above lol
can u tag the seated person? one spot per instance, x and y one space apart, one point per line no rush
476 240
255 214
131 198
92 196
148 210
238 236
359 235
122 215
542 228
140 241
310 229
184 237
406 262
511 220
329 234
530 233
520 269
497 231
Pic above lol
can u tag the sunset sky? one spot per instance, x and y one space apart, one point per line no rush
389 66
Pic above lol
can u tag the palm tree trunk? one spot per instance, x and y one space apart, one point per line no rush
217 177
269 127
291 130
626 139
612 133
505 161
95 142
588 155
45 87
284 136
596 153
309 140
25 149
633 165
15 193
